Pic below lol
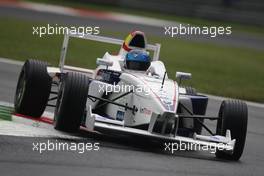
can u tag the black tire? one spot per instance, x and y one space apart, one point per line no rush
33 89
233 115
70 108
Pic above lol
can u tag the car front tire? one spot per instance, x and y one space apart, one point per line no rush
33 89
233 115
71 102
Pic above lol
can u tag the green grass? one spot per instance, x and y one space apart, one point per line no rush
236 27
219 70
5 113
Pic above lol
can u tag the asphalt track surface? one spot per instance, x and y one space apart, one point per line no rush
119 156
236 39
123 155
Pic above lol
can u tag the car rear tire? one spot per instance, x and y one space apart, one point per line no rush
33 89
71 102
233 115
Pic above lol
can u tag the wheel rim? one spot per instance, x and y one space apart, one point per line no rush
219 127
58 104
20 88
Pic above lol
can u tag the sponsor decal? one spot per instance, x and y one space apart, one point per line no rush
165 99
120 115
145 111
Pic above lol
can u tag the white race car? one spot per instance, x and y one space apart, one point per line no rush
130 96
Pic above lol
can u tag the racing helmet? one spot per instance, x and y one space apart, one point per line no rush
137 60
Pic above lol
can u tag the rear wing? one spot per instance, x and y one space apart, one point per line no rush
155 48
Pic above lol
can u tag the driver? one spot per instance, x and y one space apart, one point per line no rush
137 60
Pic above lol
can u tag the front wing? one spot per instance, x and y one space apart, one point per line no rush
104 125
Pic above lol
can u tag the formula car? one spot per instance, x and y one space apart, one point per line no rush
129 93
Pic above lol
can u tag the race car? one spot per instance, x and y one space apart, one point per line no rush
129 93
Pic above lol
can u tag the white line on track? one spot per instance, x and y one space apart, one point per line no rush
249 103
45 114
3 103
11 62
24 127
30 129
121 17
135 19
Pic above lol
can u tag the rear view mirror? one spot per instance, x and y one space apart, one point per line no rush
183 76
105 62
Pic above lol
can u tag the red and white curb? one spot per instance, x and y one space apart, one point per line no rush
25 126
30 128
113 16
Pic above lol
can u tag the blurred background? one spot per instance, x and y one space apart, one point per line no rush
227 65
241 11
